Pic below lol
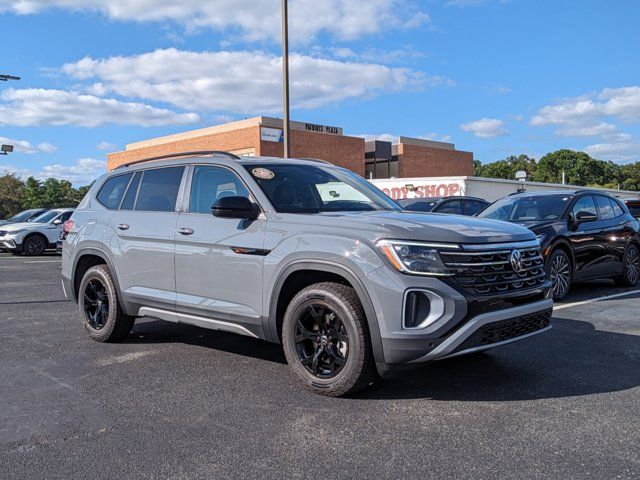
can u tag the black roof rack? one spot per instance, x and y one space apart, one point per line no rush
309 159
219 153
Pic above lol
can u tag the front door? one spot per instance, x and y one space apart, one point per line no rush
586 240
219 260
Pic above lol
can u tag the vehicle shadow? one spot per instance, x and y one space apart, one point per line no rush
572 359
146 331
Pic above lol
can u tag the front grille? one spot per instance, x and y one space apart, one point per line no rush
490 272
507 329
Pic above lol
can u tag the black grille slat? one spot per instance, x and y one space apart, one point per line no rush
490 272
507 329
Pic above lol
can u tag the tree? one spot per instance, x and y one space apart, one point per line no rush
507 167
32 194
11 188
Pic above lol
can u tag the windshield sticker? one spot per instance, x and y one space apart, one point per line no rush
263 173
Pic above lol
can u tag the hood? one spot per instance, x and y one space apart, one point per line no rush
427 227
12 227
537 225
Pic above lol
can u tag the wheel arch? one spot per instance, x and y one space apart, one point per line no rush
563 244
324 271
84 260
35 234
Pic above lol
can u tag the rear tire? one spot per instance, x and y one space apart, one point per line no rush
34 246
326 340
560 273
100 311
631 270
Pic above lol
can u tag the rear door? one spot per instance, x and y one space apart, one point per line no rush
219 260
615 234
143 237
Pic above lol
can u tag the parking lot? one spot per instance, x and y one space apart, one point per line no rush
181 402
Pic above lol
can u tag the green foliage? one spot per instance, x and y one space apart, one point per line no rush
17 195
579 168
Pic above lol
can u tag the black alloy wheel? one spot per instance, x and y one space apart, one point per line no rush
96 304
560 274
322 342
34 246
632 265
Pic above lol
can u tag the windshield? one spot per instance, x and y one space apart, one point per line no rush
22 216
315 189
527 209
46 216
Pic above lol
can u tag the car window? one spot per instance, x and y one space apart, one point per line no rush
617 209
46 217
132 191
584 204
472 207
210 184
452 207
111 193
604 207
634 209
417 205
159 189
65 216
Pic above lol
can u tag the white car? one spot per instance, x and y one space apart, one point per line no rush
34 237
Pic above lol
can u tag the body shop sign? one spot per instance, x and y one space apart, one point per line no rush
416 188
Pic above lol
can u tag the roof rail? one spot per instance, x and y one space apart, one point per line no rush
214 153
314 160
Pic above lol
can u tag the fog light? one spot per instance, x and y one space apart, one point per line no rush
421 309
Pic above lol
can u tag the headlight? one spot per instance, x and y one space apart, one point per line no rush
414 257
15 232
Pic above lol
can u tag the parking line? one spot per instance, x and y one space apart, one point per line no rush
593 300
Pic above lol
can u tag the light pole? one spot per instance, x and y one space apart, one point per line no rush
4 78
285 77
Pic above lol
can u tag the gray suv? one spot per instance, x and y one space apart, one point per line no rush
303 253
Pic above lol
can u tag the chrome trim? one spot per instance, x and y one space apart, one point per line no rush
194 320
464 332
492 247
419 244
433 316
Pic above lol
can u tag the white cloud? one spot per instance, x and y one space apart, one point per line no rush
624 151
254 19
24 146
107 146
82 172
622 103
602 128
486 128
37 106
239 81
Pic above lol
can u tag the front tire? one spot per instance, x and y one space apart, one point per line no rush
560 273
631 271
100 311
34 246
326 340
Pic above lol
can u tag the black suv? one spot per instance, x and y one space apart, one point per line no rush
584 234
452 205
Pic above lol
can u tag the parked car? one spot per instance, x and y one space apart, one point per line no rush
453 205
24 216
34 237
584 234
349 283
633 204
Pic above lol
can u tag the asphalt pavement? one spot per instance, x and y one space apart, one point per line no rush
176 401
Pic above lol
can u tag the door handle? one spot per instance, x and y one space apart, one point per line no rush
186 231
123 226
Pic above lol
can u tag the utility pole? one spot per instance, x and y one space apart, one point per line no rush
285 77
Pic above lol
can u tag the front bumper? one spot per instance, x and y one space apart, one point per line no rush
9 244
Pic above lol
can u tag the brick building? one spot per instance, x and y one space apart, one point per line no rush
262 136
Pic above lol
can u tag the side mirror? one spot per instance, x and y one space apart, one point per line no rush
234 207
57 221
583 216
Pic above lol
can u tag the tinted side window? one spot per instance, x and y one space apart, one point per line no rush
453 207
472 207
604 207
130 197
418 206
159 189
112 191
617 209
65 216
212 183
584 204
634 209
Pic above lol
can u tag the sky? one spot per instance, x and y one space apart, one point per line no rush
495 77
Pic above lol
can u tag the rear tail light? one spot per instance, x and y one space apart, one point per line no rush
66 228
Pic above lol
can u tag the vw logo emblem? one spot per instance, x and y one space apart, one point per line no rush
515 259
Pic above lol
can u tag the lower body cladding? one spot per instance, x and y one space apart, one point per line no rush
9 245
448 324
